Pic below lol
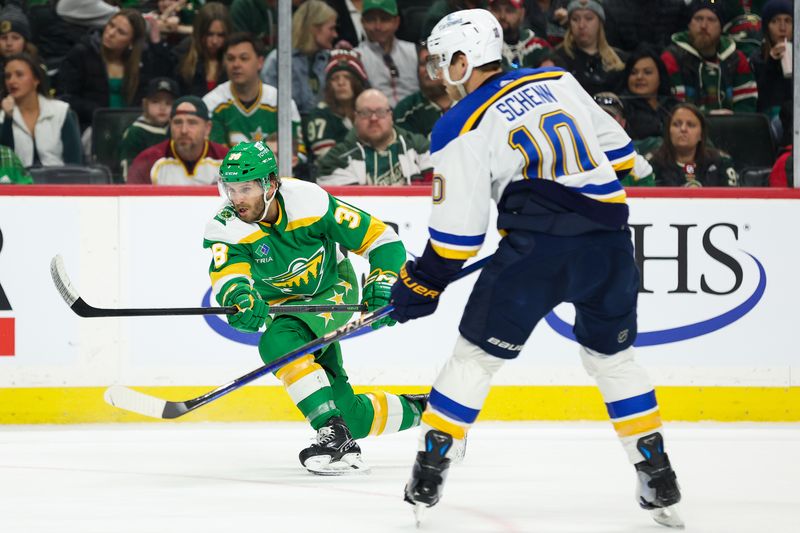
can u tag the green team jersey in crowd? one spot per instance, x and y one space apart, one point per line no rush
417 114
11 168
297 257
324 129
233 122
139 136
528 52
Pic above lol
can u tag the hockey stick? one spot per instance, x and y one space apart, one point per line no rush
83 309
144 404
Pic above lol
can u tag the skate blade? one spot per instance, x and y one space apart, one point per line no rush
349 464
420 510
668 516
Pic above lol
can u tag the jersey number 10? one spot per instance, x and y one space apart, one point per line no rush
566 142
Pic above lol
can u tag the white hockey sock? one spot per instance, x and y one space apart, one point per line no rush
628 394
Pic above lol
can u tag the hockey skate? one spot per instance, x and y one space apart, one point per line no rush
424 488
658 489
334 453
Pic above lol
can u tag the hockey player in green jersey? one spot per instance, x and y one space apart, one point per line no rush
277 241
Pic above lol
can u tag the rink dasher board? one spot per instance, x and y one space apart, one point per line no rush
727 254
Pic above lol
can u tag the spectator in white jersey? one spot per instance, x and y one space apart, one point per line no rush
391 63
187 157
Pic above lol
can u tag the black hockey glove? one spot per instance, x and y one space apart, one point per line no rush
414 295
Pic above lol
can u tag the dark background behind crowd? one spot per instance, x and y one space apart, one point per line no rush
157 91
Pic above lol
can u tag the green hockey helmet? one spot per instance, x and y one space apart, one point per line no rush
248 161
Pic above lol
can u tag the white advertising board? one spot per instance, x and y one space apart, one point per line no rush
718 307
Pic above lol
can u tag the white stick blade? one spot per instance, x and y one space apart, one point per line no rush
60 278
134 401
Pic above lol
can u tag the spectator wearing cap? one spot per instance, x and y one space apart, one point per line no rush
15 33
151 127
774 85
110 68
419 112
585 51
376 152
647 94
630 23
187 157
391 63
704 66
333 117
41 130
92 13
313 35
199 56
641 175
521 47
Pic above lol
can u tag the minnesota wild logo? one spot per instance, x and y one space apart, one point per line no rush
303 275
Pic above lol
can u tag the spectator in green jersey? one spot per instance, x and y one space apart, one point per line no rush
151 127
376 152
333 117
418 112
521 47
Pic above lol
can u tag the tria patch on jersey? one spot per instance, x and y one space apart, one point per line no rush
262 251
303 275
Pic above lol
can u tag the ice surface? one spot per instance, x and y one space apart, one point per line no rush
548 478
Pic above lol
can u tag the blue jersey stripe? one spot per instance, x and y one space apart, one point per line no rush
594 188
457 240
631 406
451 408
620 152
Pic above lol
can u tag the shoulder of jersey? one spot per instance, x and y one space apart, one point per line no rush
466 115
219 95
227 227
305 202
269 95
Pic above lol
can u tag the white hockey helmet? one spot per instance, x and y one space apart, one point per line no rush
473 32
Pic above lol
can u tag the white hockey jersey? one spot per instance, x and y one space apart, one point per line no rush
533 126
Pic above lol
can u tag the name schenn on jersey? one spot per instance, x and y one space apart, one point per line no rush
525 99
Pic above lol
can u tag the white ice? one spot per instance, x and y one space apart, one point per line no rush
533 477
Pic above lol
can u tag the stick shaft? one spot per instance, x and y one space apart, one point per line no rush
85 310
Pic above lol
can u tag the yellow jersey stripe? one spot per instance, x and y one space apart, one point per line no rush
478 113
642 424
375 230
235 268
301 223
253 237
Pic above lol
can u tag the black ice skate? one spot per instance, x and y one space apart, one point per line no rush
334 453
424 488
658 489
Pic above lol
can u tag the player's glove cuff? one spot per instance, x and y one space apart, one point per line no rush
378 293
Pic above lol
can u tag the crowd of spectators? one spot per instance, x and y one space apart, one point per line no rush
204 75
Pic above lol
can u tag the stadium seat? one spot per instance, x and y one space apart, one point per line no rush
746 137
108 125
71 175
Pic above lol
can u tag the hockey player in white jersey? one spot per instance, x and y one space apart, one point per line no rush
536 143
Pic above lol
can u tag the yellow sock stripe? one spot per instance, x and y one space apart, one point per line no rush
436 421
295 370
381 409
642 424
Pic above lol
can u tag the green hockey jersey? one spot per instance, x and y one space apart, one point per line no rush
232 122
298 257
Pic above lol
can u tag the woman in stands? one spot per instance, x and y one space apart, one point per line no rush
111 68
200 66
41 130
313 34
647 95
684 158
332 119
585 51
774 86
